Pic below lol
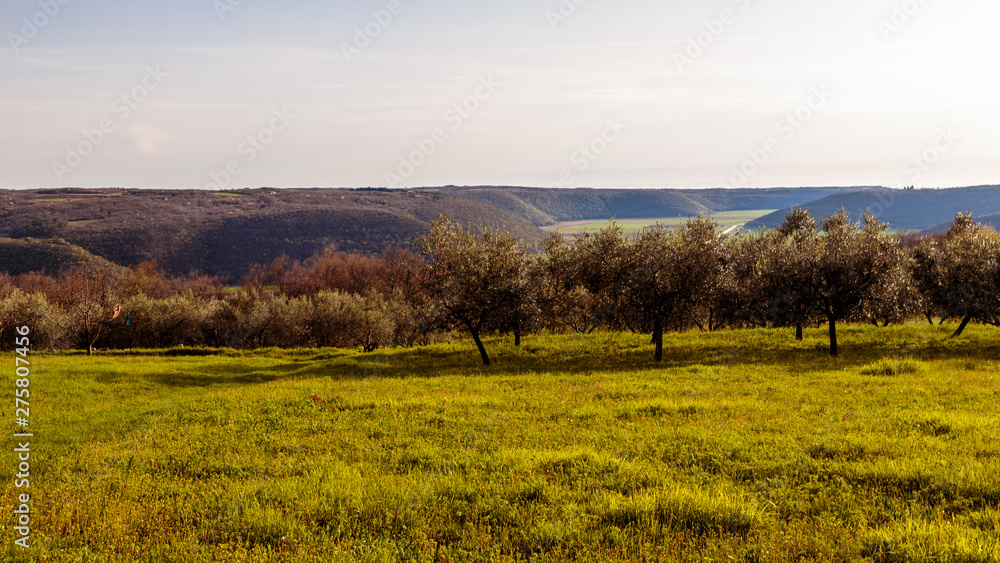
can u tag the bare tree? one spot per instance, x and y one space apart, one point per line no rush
145 279
91 295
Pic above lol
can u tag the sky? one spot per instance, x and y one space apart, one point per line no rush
224 94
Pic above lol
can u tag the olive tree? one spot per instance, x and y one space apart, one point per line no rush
480 281
959 274
853 261
785 280
562 300
594 278
672 275
145 322
370 322
927 273
737 300
897 299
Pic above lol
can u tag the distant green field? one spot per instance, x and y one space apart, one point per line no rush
741 446
726 220
83 223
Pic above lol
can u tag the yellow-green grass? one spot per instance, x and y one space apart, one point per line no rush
725 220
741 446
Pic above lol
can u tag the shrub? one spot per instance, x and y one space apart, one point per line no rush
344 320
145 322
287 322
47 322
239 321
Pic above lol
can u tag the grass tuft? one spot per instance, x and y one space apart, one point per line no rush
682 510
925 542
892 367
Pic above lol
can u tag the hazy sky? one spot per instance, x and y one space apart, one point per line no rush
630 93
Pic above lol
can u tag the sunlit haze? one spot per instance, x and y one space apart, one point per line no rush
631 93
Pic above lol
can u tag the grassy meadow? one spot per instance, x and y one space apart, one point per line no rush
725 219
742 446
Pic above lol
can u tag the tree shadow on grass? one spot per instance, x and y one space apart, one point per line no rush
737 350
234 374
748 349
463 360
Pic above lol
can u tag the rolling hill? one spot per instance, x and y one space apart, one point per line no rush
548 206
224 233
991 220
49 256
914 210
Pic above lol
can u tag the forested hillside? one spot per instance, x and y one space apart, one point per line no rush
52 256
225 233
547 206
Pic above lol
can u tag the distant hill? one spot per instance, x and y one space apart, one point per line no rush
914 210
991 220
52 257
224 233
548 206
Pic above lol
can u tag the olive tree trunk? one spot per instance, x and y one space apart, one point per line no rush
479 342
961 327
658 340
833 334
